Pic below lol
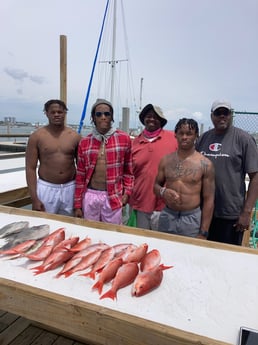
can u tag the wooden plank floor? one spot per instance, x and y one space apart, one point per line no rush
16 330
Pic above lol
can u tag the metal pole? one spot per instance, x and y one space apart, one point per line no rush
113 62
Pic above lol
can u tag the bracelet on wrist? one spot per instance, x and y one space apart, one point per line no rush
162 191
203 233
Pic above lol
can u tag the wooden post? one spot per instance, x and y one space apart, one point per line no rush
63 68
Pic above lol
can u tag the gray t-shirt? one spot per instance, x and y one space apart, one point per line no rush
234 154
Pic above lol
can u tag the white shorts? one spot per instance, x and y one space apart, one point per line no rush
57 198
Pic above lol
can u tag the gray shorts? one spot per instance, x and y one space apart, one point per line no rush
148 220
185 223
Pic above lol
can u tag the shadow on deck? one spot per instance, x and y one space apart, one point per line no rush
16 330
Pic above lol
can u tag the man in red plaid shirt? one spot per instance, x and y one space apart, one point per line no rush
104 178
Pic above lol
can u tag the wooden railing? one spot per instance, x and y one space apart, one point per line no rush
15 198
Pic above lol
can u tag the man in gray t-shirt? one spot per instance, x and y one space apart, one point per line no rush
234 154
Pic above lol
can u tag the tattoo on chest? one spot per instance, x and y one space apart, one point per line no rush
179 169
182 168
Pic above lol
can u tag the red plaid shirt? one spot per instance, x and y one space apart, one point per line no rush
119 173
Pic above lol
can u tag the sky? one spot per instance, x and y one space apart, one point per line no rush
187 52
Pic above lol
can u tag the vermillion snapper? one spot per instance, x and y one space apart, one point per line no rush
107 274
148 280
124 276
47 246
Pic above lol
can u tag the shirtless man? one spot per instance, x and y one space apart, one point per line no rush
104 178
55 147
185 181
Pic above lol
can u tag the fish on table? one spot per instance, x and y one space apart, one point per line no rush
59 255
107 274
125 276
106 256
33 233
148 280
78 256
85 262
47 246
150 260
84 243
135 254
20 248
13 228
122 264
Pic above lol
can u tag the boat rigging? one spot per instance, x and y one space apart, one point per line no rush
112 78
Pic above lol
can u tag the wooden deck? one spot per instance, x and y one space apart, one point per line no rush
16 330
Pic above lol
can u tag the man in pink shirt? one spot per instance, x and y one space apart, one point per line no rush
147 149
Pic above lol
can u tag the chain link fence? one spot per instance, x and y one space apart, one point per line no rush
247 121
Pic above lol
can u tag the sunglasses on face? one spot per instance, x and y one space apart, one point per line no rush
220 112
99 113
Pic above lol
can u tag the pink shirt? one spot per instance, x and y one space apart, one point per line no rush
146 157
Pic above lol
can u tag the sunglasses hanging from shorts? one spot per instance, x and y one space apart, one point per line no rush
99 113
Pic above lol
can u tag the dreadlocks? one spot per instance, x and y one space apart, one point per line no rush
190 122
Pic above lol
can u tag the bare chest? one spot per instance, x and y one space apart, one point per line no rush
60 144
186 171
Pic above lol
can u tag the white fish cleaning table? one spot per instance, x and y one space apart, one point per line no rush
204 299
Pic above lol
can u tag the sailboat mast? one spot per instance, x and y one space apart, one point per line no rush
141 85
113 62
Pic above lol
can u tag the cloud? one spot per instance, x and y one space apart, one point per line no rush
16 74
21 75
198 115
37 79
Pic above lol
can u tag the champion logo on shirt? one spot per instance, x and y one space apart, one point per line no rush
215 147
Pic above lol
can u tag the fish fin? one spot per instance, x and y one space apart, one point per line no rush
109 294
90 274
98 286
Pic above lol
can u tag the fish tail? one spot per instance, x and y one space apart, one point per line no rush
92 275
39 270
98 286
163 267
68 274
109 294
58 275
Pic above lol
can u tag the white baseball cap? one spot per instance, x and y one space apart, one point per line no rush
220 104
